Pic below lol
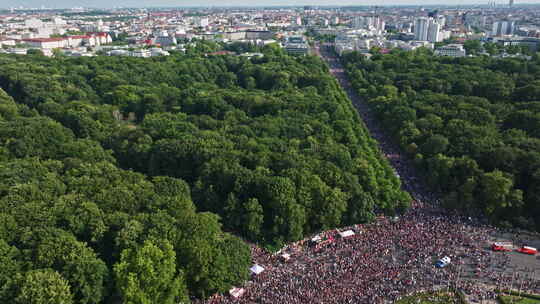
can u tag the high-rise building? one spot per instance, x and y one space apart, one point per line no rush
421 26
501 28
202 22
363 22
427 29
434 31
510 3
375 24
33 23
357 22
441 20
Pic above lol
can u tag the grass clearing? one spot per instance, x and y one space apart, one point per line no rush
430 298
518 300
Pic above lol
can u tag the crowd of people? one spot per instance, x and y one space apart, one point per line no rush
389 258
384 261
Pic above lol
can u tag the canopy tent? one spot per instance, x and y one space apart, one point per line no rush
285 256
237 292
256 269
346 233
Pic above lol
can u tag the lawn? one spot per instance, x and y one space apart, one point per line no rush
518 300
430 298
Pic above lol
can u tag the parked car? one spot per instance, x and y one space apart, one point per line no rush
443 262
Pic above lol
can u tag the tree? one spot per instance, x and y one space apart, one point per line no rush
434 144
44 286
35 52
77 263
92 149
497 192
254 218
472 47
149 275
9 259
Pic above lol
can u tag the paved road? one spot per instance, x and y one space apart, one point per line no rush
376 263
411 180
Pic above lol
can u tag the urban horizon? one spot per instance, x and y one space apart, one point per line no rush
277 4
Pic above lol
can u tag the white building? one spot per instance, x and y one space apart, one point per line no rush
434 32
502 28
141 53
202 22
451 50
441 20
421 26
59 21
99 38
164 39
7 41
46 43
118 53
296 45
375 24
156 52
17 51
33 23
427 29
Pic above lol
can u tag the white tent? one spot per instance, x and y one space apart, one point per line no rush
346 233
285 256
237 292
256 269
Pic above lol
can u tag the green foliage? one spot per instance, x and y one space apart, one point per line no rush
518 300
430 298
100 157
473 47
148 275
43 287
472 125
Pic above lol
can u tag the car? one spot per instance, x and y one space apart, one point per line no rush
443 262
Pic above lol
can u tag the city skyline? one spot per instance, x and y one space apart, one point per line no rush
58 4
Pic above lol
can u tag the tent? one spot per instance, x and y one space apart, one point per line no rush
346 233
286 257
237 292
256 269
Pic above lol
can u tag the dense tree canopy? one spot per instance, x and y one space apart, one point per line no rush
472 125
101 157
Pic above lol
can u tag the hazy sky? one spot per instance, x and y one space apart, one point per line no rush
146 3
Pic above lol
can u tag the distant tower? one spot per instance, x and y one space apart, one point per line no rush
511 3
421 26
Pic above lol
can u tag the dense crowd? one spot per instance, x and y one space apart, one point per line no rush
382 262
389 258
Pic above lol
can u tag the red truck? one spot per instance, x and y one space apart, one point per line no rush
502 246
528 250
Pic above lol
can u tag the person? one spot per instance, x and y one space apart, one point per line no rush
389 259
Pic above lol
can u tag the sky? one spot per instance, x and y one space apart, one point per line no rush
221 3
